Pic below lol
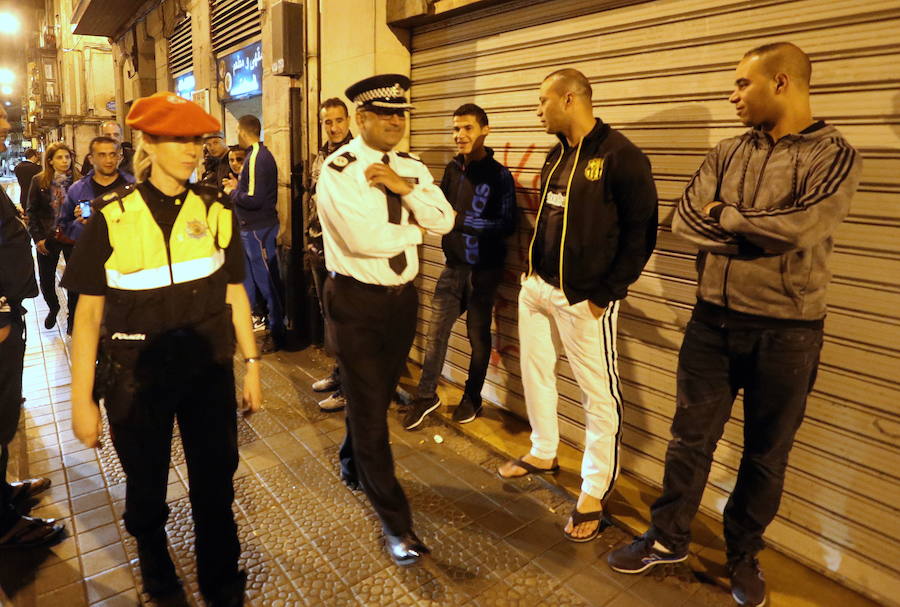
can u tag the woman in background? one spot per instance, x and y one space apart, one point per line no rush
45 198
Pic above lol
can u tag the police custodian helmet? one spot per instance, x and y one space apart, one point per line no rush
384 91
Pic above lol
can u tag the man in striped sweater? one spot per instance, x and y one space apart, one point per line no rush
762 209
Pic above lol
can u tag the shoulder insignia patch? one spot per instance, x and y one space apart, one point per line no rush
341 162
409 155
117 194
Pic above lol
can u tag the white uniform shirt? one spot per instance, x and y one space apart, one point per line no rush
359 239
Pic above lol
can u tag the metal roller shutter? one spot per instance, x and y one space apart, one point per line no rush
661 73
181 50
233 22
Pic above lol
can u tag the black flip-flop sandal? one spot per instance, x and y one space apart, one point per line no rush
530 469
28 489
28 532
579 518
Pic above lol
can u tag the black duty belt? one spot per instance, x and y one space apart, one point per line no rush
350 281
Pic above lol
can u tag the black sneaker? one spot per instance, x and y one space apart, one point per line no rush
270 344
748 586
467 410
642 554
50 320
418 409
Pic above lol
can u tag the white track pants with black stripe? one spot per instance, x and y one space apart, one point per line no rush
546 321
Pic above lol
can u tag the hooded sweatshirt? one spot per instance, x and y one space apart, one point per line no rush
765 251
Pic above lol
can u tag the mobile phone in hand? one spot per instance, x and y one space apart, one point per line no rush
85 208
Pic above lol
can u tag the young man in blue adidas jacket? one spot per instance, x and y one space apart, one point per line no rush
483 194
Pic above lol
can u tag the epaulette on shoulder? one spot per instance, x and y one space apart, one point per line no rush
209 194
342 162
109 197
409 155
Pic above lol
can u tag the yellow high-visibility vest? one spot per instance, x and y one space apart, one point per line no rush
141 259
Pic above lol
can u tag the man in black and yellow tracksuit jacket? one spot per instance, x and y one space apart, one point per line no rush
595 231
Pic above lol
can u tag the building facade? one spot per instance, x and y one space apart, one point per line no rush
81 66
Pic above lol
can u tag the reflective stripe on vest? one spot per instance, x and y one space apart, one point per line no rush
139 260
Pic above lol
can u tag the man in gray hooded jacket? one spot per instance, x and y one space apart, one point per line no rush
762 210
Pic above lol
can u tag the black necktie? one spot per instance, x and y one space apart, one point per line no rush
394 209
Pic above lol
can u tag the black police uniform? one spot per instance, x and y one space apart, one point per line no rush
165 354
17 283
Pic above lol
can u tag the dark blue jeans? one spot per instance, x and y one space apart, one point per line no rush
458 290
776 369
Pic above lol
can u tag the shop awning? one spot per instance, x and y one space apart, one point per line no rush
103 17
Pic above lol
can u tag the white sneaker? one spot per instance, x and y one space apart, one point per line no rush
259 323
335 402
326 384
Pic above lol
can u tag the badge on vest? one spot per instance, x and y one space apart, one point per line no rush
594 169
195 228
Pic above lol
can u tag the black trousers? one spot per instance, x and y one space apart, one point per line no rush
12 356
203 402
47 275
777 369
372 330
320 274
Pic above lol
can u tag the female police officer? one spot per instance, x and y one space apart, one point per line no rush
160 268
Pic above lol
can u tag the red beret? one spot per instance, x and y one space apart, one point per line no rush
167 114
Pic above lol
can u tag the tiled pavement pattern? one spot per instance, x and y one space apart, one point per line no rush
308 540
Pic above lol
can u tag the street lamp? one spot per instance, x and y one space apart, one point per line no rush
9 24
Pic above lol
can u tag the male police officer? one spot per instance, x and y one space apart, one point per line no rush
368 196
596 229
762 209
335 121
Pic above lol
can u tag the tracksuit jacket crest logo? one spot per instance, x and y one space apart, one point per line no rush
594 169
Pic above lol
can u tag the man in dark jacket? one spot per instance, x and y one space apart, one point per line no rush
762 209
25 172
595 231
483 194
335 122
111 129
255 195
215 164
16 284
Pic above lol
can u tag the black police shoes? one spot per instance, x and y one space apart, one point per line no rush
405 549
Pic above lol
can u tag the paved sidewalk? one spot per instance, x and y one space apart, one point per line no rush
308 540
